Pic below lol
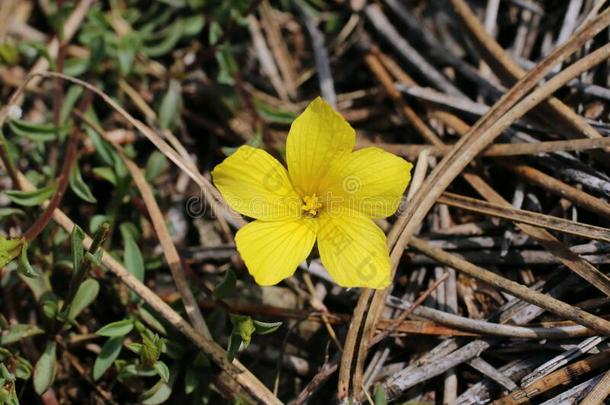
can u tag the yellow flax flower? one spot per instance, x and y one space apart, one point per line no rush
329 193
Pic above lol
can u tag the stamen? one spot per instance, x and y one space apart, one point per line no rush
311 205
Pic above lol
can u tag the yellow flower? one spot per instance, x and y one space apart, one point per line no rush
329 193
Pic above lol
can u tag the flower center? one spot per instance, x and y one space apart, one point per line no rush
311 205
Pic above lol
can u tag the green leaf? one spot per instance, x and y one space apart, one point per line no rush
10 212
168 42
36 132
132 255
31 198
115 329
17 332
158 394
9 249
243 326
150 351
24 267
275 115
171 105
76 66
86 294
76 245
380 397
127 48
78 185
191 380
233 347
264 328
97 221
156 163
106 173
226 287
162 371
109 353
151 320
46 366
69 101
193 25
23 368
104 151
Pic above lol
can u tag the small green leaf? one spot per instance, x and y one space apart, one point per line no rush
36 132
78 251
115 329
243 326
127 48
275 115
151 320
78 185
135 347
10 212
107 174
109 353
46 366
157 162
86 294
171 105
69 101
9 249
233 347
158 394
23 368
226 287
380 397
17 332
193 25
162 371
97 221
76 66
150 351
134 262
24 267
31 198
191 380
264 328
168 41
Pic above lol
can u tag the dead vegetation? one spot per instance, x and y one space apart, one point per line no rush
114 114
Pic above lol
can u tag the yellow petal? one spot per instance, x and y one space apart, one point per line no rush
317 137
255 184
353 249
273 250
370 180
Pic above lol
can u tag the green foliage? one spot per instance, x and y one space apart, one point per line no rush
85 295
9 249
45 369
31 198
60 286
109 353
243 329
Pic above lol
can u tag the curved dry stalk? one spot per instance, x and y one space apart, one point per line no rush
474 142
509 71
506 111
169 249
496 150
551 184
525 217
483 327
